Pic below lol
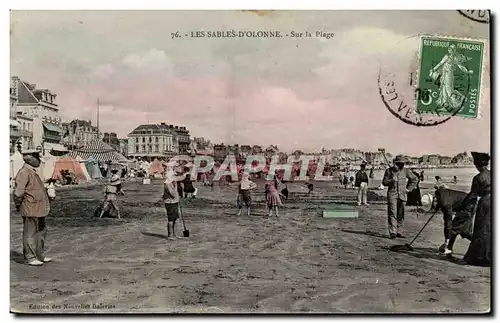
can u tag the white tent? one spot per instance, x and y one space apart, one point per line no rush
47 165
16 162
84 168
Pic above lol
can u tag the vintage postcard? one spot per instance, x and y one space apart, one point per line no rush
250 161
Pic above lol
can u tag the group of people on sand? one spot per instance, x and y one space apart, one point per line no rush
32 200
400 181
271 191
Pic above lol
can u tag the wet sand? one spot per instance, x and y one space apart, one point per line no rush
299 262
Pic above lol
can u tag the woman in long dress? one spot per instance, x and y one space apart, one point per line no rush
479 252
449 98
273 196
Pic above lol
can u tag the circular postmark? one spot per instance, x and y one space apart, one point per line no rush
416 89
481 16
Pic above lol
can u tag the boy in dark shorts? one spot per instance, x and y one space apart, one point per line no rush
171 200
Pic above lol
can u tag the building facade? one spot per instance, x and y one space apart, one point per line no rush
153 140
111 139
78 133
15 132
434 159
183 138
40 106
123 147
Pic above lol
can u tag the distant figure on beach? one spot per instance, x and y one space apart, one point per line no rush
362 185
455 180
272 197
439 183
188 187
310 188
171 201
244 195
395 178
111 193
371 170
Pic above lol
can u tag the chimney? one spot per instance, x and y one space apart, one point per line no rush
163 123
176 127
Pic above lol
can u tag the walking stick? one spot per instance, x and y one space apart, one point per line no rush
185 233
408 246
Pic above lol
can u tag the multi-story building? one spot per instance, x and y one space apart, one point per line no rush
202 146
123 147
78 133
26 131
271 151
424 159
153 140
434 159
111 139
15 133
183 138
462 159
40 105
444 160
414 160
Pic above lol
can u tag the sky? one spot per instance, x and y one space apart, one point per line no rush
304 93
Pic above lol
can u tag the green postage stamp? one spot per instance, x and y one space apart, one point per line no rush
449 80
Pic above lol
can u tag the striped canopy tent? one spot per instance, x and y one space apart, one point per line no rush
93 168
83 167
100 152
68 163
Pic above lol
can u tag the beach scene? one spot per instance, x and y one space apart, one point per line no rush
250 162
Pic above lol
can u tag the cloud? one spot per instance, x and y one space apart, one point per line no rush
297 93
102 71
152 58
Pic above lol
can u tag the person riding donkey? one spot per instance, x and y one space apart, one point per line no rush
111 193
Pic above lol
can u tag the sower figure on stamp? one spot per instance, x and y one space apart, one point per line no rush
32 202
395 178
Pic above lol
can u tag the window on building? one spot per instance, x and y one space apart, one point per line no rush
143 139
136 148
150 139
157 148
156 139
144 148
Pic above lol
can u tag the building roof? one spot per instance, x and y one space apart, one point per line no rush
154 129
81 123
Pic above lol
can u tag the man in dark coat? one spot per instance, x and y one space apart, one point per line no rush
395 178
362 184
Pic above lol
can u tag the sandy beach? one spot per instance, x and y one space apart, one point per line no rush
299 262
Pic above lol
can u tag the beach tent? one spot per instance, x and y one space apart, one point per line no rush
47 165
93 168
84 169
99 151
156 167
16 162
70 164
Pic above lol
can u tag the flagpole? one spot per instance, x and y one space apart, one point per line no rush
98 136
